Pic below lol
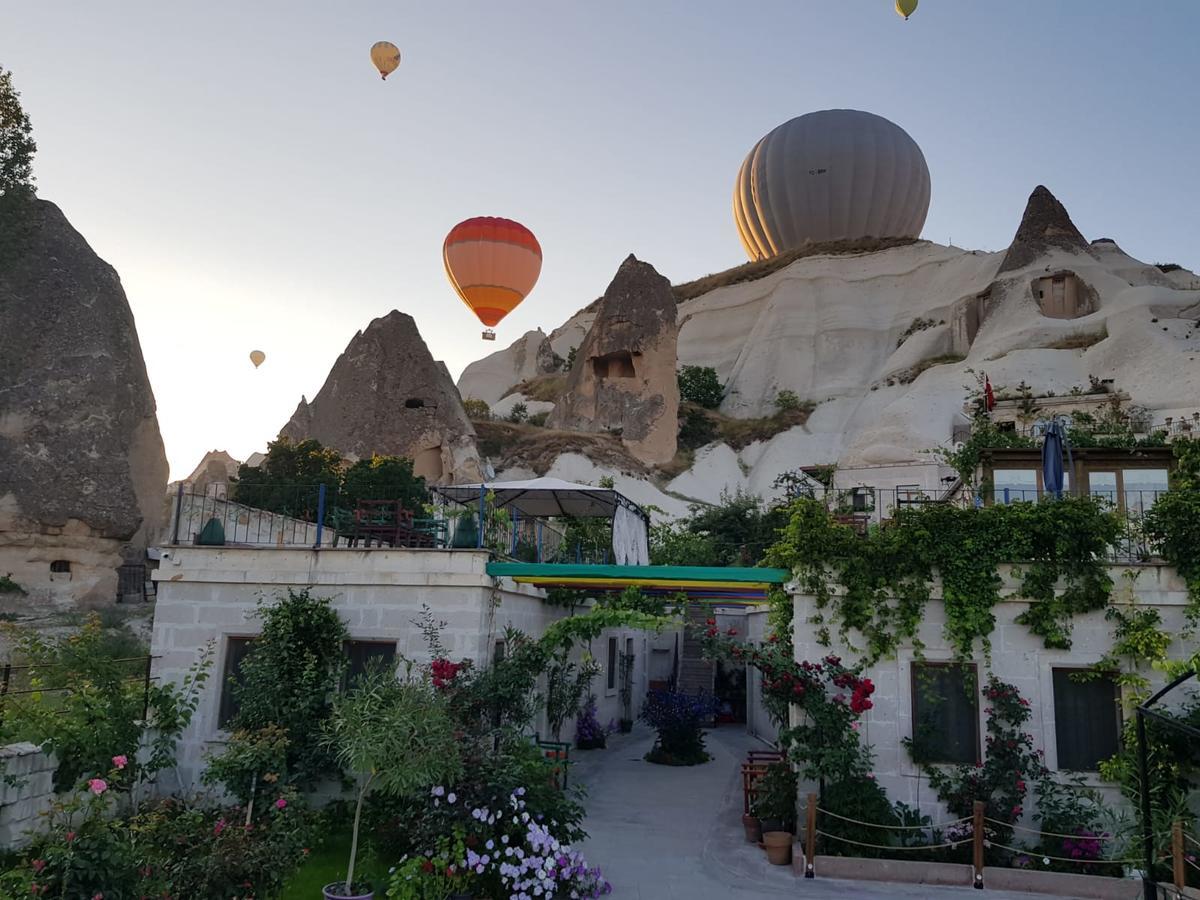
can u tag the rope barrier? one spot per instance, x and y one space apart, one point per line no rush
1188 837
890 827
1066 859
1073 837
1188 862
846 840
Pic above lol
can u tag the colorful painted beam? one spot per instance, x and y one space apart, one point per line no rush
726 586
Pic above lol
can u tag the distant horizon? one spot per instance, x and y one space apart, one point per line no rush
257 186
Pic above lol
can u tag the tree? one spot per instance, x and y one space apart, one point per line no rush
700 385
287 480
16 140
383 478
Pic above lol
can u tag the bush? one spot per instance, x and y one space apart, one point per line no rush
787 401
477 410
519 413
700 385
679 719
538 419
775 800
696 428
589 734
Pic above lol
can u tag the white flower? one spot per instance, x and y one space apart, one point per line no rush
450 799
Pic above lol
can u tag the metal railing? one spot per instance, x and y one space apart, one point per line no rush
319 516
29 679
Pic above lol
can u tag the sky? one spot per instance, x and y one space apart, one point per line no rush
257 186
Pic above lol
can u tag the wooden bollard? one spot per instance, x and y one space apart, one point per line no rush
977 841
810 835
1177 870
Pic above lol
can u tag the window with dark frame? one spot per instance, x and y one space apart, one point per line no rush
236 650
945 712
612 663
1087 719
362 655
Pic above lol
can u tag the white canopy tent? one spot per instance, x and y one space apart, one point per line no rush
544 498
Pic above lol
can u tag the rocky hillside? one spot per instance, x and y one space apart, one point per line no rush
879 345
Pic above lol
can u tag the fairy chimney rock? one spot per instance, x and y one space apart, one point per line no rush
387 395
1045 226
624 374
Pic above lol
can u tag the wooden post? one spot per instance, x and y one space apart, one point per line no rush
977 841
810 835
1177 870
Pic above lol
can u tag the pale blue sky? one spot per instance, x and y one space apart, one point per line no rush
257 185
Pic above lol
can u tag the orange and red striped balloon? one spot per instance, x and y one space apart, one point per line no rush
493 264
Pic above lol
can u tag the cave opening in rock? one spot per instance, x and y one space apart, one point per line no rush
614 365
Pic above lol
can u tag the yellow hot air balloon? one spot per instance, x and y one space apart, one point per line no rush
386 57
906 8
257 357
493 264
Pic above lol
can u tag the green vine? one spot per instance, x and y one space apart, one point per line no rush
876 586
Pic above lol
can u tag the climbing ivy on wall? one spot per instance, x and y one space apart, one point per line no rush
874 588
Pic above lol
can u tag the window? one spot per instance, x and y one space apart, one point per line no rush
236 650
1142 487
61 566
1103 486
945 713
498 654
1011 485
1087 719
614 365
612 663
364 655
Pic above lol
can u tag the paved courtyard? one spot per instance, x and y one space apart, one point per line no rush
663 833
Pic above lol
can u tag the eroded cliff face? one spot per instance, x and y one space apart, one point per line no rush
387 395
624 377
82 465
882 343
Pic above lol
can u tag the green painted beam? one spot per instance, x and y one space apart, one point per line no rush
731 574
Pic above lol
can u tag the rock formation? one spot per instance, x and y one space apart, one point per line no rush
82 467
212 474
490 378
387 395
624 374
1044 226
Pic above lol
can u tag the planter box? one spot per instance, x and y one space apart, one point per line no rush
1063 883
900 870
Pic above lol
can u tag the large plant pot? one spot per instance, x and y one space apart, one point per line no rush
778 845
337 891
753 828
626 726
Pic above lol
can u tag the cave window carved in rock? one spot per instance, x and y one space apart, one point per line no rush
614 365
61 567
414 403
1062 296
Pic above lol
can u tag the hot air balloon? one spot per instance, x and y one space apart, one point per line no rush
906 8
257 357
493 264
838 174
386 57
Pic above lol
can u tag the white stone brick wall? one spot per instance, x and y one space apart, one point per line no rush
1017 657
211 593
26 791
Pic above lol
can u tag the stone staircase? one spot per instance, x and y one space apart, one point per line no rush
696 674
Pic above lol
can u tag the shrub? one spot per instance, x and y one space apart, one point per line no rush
696 428
538 419
589 733
518 413
477 410
289 679
775 800
700 385
787 401
679 719
8 586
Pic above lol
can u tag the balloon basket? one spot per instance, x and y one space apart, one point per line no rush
489 335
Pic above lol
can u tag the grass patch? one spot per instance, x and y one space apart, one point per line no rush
327 864
528 446
546 388
1080 340
911 374
740 433
752 271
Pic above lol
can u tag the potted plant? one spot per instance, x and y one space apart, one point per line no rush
775 807
589 733
396 737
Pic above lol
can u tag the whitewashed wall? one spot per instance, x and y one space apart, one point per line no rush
211 593
26 792
1017 657
758 721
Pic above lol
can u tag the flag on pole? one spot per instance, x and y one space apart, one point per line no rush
989 396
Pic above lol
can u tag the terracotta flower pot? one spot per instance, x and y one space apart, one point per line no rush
339 891
753 828
778 845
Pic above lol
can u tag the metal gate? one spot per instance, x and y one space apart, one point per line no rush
131 583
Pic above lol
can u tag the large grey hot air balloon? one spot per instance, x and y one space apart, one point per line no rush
833 175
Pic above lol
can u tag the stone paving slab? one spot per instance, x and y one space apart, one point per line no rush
663 833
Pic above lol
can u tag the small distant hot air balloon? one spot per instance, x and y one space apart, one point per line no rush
493 264
906 8
386 57
257 357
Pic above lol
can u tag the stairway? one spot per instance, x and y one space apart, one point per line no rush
696 674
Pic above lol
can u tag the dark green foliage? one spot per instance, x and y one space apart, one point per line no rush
887 575
740 528
8 586
383 478
289 680
696 428
16 140
1173 523
700 385
775 800
679 720
287 480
